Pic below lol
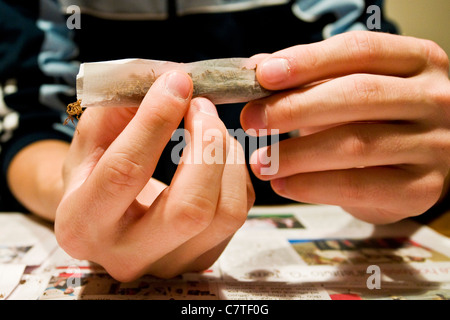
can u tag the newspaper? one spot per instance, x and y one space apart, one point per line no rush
294 252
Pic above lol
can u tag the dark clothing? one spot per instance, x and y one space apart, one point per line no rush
40 55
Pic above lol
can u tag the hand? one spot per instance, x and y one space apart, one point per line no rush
113 213
373 113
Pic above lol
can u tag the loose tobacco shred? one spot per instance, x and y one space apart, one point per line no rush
74 111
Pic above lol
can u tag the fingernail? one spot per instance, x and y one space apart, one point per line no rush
205 106
178 85
275 70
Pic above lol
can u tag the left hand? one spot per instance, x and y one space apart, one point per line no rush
114 213
373 113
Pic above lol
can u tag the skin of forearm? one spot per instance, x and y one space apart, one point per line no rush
35 176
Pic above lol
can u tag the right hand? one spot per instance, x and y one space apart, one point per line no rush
113 213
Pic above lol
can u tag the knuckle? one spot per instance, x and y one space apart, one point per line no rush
310 58
359 45
163 117
72 238
165 274
435 54
426 190
194 214
124 264
232 218
124 276
168 271
121 172
364 88
123 271
356 143
434 95
433 188
289 112
439 95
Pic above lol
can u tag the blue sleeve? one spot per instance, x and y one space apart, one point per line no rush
346 15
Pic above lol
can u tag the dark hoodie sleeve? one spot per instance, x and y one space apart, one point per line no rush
37 80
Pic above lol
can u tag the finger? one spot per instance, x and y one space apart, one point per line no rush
100 126
360 97
96 130
128 163
188 205
396 193
257 58
236 199
352 52
199 175
344 147
201 251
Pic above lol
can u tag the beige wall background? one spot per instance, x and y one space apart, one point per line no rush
428 19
